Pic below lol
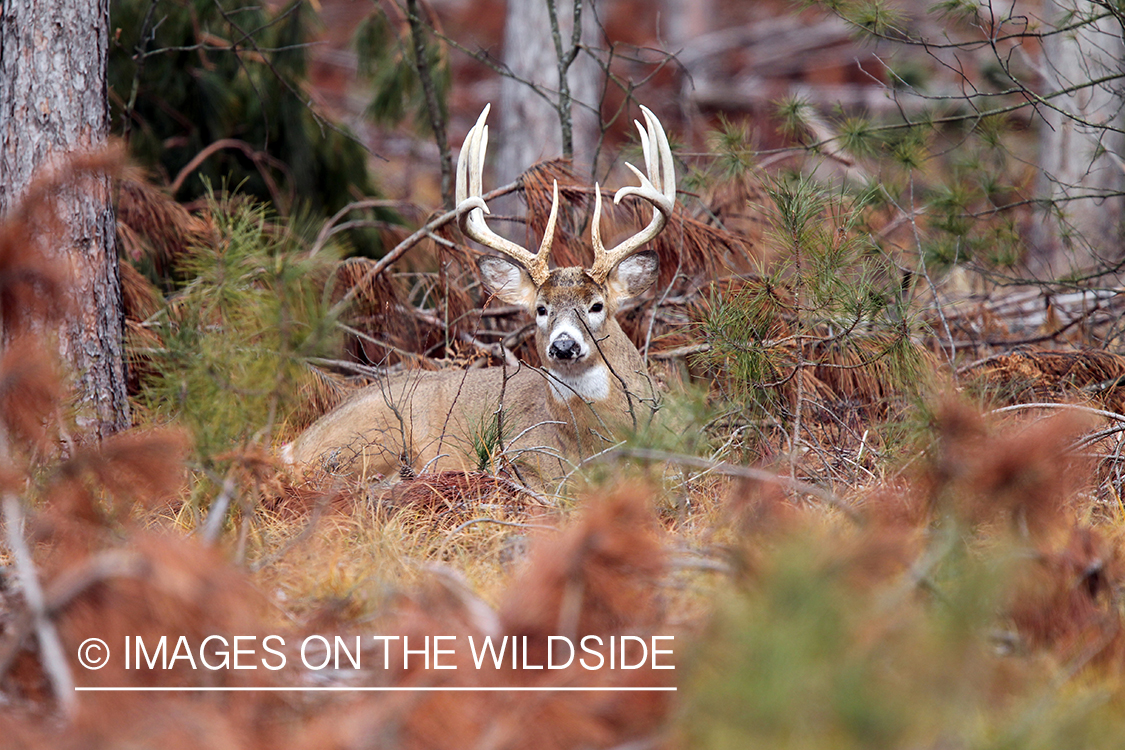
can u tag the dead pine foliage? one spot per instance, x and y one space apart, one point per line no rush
452 497
154 229
84 494
1032 374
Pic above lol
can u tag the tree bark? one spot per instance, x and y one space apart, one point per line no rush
53 101
1080 155
530 125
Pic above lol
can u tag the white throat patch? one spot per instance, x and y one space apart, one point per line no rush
591 385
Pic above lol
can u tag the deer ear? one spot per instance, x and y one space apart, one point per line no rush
632 276
507 280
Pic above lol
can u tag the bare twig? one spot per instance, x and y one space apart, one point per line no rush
67 586
330 227
1075 407
217 514
260 159
433 106
50 646
749 472
401 248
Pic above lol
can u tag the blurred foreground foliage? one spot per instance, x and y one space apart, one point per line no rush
971 602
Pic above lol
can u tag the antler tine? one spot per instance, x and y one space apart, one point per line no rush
472 208
658 188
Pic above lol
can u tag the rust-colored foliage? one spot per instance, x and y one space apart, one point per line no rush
1052 375
392 332
30 390
739 204
1021 482
33 281
595 579
320 392
139 298
598 577
450 495
145 466
859 373
1068 600
152 226
1026 476
157 586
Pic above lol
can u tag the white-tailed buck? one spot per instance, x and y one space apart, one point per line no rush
540 421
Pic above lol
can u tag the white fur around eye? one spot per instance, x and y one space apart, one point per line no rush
596 318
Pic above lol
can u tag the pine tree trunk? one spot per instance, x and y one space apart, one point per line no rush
53 100
1080 155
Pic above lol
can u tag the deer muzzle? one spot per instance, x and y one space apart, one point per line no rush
565 348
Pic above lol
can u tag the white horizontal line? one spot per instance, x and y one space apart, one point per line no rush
368 689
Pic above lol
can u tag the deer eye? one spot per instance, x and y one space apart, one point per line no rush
597 307
541 311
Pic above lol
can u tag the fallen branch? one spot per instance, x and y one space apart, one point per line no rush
330 227
258 157
1048 405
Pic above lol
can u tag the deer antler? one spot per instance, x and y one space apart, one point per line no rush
659 189
470 204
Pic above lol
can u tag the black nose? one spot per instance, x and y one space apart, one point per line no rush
564 347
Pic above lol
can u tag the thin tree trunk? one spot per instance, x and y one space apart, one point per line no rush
530 125
1079 154
685 20
53 100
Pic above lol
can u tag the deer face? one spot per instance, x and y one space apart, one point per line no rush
573 312
577 335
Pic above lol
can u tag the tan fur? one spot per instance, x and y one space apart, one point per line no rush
433 420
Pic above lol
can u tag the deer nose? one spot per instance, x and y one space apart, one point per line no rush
564 347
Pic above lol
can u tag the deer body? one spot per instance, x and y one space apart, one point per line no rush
541 421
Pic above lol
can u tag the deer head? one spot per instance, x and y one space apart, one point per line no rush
579 340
